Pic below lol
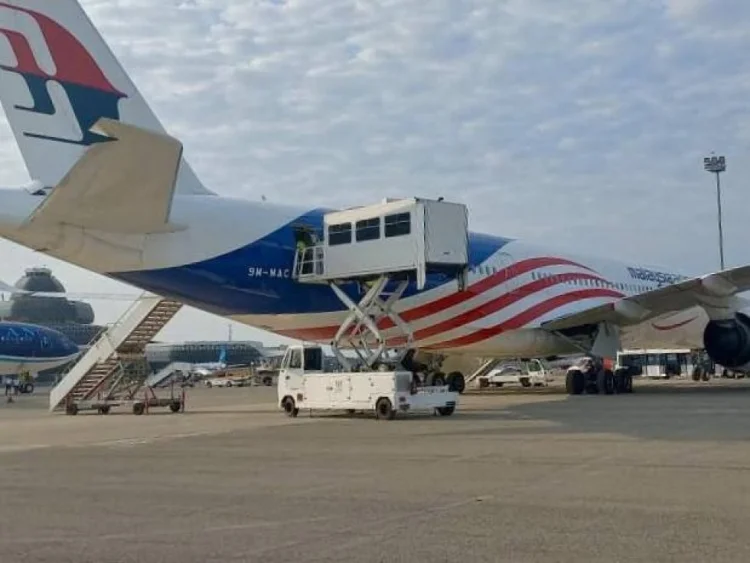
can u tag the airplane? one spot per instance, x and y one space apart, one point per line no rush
112 192
32 348
205 369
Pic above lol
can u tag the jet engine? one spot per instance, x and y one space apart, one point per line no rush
727 342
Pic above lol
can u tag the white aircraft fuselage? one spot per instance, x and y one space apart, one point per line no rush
234 258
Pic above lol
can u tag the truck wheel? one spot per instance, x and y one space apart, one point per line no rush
525 382
384 409
605 382
705 376
71 409
697 372
446 411
267 381
574 382
103 409
139 408
456 382
175 406
290 408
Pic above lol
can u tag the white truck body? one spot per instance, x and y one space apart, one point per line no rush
313 389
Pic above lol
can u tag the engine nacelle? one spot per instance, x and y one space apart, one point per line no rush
727 342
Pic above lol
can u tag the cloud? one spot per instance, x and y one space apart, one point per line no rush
581 124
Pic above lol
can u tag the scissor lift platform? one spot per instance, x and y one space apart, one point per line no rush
385 248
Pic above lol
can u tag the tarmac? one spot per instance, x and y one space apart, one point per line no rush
657 476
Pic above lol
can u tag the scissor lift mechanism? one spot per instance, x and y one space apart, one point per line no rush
365 316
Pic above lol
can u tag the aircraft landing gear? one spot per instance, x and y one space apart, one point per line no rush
591 377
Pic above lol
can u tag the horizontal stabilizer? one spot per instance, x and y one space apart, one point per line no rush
713 292
122 185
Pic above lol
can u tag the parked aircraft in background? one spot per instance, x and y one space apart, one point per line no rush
32 348
133 209
207 368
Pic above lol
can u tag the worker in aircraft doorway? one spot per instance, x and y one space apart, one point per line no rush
306 239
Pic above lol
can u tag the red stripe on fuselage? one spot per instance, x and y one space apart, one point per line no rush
495 305
525 317
446 302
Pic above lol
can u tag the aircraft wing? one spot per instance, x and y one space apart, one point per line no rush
122 185
712 291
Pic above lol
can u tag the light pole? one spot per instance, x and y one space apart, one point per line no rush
717 165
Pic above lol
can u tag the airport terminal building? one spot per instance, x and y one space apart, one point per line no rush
238 352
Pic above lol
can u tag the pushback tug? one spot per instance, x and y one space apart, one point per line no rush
376 252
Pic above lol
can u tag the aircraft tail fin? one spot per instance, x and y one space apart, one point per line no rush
58 78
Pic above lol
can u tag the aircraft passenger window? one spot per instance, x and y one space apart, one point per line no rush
339 234
397 225
368 229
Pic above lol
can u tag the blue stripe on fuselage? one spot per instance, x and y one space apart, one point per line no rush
256 278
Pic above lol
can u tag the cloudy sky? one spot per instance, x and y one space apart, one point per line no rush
580 123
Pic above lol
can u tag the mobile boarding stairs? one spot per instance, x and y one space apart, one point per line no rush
380 250
114 370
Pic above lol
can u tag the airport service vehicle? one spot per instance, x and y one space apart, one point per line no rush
526 373
303 385
220 382
663 364
95 152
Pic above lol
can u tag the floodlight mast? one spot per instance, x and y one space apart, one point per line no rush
717 165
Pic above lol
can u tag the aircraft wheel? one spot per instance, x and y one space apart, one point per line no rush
457 382
697 373
605 382
619 381
627 383
574 382
437 379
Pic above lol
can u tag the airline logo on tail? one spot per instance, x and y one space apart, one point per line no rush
90 94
